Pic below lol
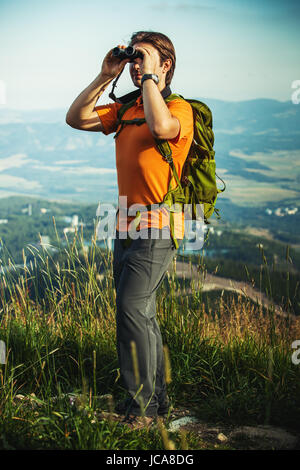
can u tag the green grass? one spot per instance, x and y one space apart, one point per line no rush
230 360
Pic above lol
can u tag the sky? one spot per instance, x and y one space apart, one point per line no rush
231 50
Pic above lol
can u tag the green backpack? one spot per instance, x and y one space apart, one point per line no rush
197 184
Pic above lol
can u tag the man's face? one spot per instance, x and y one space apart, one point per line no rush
136 67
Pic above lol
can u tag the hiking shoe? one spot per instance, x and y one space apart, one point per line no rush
123 407
164 407
132 421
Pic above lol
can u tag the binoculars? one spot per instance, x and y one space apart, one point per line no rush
128 53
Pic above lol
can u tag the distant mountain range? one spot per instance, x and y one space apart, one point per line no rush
257 147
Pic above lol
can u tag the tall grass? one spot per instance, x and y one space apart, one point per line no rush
230 362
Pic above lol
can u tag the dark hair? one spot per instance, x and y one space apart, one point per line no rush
163 45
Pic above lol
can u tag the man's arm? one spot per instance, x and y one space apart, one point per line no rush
159 119
81 114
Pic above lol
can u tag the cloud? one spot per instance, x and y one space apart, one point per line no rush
234 131
81 142
15 161
91 170
79 170
101 142
68 162
8 181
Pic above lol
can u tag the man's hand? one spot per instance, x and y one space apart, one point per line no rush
150 61
81 114
111 65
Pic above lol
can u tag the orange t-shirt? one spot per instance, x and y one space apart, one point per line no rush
143 175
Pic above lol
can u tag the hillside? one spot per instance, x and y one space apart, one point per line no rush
257 147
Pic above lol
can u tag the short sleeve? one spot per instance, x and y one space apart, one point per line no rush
182 110
108 116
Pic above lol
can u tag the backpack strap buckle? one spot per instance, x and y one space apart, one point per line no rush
164 148
186 181
168 158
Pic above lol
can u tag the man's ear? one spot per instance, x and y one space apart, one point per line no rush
167 65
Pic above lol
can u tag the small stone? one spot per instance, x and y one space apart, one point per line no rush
19 397
178 423
221 437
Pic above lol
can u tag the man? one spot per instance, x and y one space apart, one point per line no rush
143 178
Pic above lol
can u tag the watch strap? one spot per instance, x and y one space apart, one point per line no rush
151 76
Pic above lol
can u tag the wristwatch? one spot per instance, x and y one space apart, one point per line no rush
152 76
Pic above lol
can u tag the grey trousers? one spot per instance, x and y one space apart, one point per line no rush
138 272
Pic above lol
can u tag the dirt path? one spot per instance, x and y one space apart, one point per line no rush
211 282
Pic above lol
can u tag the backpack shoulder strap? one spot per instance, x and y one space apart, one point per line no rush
122 122
122 110
173 96
163 145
